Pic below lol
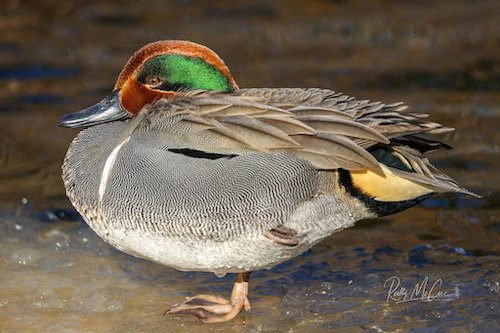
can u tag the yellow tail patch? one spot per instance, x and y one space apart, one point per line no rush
386 186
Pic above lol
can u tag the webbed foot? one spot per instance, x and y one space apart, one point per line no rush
215 309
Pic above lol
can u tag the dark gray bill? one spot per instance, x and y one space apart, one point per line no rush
109 109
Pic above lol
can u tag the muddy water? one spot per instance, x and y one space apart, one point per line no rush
443 59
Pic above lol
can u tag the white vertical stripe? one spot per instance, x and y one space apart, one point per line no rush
108 166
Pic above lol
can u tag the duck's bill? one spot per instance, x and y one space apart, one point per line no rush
109 109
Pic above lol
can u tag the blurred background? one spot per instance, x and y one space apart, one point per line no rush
440 57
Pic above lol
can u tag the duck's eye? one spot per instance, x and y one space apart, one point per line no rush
154 81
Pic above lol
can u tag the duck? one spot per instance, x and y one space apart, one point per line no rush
179 166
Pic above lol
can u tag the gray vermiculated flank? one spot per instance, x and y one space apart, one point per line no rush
177 195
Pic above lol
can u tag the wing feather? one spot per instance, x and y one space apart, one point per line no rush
336 146
341 126
260 135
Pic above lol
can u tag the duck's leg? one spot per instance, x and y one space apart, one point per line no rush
215 309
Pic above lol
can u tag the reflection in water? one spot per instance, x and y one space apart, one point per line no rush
55 58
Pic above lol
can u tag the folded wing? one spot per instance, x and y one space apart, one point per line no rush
329 130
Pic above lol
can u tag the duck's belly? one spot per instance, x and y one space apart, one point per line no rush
238 255
313 221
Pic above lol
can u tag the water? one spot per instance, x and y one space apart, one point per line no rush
56 58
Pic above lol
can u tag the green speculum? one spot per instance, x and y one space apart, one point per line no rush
182 72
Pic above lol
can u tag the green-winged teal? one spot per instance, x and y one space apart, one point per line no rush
180 166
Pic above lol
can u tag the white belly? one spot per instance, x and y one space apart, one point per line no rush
313 221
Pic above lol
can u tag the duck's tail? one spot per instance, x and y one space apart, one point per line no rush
405 178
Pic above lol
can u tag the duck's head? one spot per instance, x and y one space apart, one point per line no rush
161 69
